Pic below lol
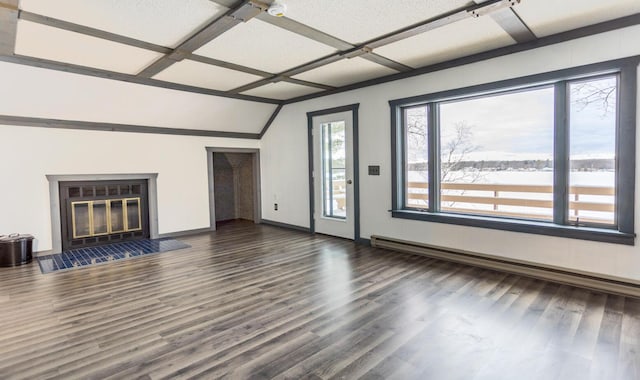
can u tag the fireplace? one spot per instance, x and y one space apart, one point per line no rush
102 212
87 193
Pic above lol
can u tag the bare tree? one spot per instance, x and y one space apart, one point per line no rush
417 140
601 93
455 150
455 147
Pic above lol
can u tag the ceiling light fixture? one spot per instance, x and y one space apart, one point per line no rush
277 9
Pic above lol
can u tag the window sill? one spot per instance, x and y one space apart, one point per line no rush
525 226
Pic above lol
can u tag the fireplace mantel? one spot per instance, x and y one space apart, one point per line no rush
54 196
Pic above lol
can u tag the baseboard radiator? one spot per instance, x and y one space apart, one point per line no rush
584 280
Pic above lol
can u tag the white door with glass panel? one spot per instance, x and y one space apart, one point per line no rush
333 174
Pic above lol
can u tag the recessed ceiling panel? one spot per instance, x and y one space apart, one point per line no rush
281 90
263 46
546 17
163 22
42 41
360 21
455 40
345 72
204 75
53 94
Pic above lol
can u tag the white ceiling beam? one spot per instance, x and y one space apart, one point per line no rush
478 10
585 31
305 83
98 33
243 11
88 31
366 50
313 64
327 39
72 27
256 84
304 30
289 73
510 22
384 61
106 74
8 26
228 65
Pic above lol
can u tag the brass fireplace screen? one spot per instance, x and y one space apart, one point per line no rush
104 217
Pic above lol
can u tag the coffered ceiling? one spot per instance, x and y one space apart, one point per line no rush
234 49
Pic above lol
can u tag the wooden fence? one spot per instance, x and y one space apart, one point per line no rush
494 195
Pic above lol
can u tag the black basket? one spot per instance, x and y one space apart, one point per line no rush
15 249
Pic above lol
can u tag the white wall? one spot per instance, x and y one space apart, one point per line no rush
35 92
285 167
28 154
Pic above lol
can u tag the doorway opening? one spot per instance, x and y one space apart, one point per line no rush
234 185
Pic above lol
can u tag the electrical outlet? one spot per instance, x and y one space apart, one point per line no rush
275 206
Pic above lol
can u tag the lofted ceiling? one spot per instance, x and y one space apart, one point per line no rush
235 52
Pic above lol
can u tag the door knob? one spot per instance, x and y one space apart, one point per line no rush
349 182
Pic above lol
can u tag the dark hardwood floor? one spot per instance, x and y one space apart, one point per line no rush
259 302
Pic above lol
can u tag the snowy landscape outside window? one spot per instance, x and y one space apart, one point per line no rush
536 157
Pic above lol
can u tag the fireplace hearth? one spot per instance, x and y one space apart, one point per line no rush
103 212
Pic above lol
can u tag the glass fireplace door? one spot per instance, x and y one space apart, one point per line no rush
103 212
104 217
116 211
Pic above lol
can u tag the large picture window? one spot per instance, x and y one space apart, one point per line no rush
551 154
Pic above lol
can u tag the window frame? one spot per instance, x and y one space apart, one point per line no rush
622 232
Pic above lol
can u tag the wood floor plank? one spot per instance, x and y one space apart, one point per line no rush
606 355
258 302
629 362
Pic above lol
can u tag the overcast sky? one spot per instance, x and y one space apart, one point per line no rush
519 126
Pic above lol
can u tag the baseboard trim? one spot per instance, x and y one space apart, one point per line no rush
186 232
43 253
580 279
285 225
